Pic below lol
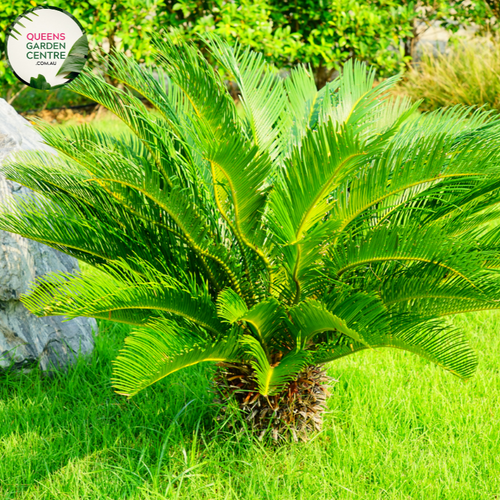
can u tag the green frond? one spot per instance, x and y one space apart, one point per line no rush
324 158
59 179
423 160
272 378
238 174
152 85
439 294
267 320
213 112
382 247
148 356
442 345
128 108
238 168
306 106
136 183
114 292
59 226
162 153
363 311
311 318
230 306
358 101
262 93
168 98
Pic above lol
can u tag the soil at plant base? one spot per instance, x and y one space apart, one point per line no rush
295 412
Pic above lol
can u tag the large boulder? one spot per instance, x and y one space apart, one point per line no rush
24 338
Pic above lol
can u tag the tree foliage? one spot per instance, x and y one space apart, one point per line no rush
323 34
326 33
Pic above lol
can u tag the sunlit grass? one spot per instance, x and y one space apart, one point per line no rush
397 427
107 122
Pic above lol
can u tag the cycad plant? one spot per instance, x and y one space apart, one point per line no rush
270 239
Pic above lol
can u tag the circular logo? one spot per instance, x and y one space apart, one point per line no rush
46 48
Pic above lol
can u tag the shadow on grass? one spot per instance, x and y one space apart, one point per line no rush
49 423
395 424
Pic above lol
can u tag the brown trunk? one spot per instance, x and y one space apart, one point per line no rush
295 412
410 43
322 75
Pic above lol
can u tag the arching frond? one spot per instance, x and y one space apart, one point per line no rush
272 378
148 356
311 318
230 306
443 345
117 290
262 93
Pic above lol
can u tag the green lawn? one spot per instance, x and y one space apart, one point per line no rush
397 428
108 123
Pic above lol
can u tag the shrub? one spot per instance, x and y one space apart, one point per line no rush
308 227
126 25
324 34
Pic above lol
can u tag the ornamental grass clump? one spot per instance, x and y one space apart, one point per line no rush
467 73
307 227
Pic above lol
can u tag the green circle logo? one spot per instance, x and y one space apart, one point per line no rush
46 48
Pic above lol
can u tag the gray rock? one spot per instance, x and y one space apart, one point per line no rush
24 338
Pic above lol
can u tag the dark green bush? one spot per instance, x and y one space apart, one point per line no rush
321 33
325 33
130 21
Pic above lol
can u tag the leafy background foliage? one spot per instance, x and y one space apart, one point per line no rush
322 34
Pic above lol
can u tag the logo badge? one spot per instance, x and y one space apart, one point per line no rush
46 48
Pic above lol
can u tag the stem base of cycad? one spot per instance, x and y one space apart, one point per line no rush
296 412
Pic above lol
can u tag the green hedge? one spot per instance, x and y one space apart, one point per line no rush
322 33
133 21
